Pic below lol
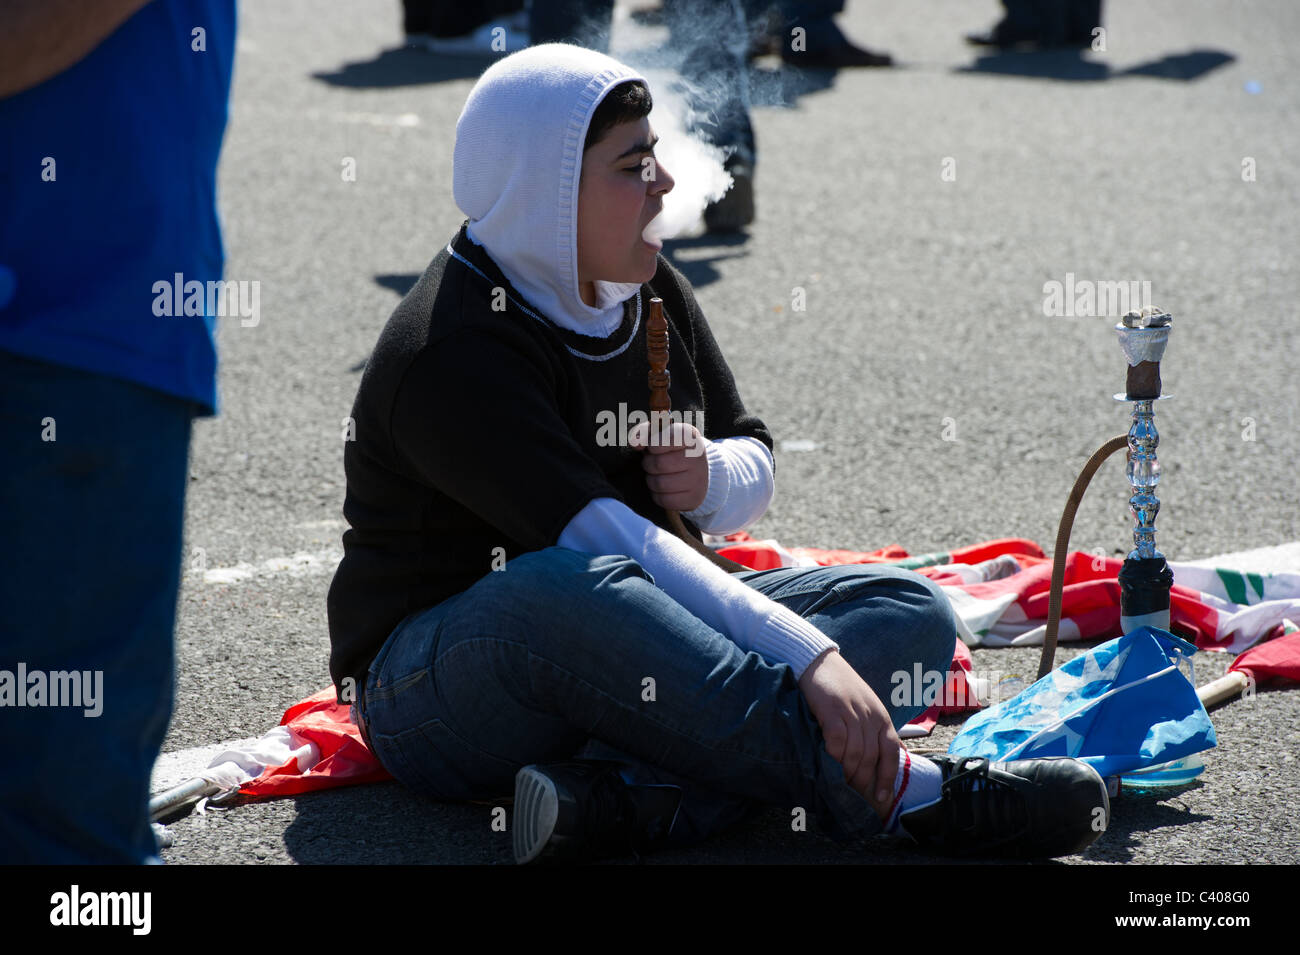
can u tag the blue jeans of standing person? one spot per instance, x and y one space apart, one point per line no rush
564 654
92 493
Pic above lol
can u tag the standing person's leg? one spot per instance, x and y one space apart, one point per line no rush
808 36
1049 23
584 22
560 647
714 37
1083 17
92 503
1022 21
417 16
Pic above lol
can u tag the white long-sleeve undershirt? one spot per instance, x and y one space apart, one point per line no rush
741 486
750 619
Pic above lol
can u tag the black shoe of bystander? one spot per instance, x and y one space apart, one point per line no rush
735 209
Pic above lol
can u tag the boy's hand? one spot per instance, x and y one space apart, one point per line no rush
677 469
856 726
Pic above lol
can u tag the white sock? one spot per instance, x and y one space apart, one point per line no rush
919 783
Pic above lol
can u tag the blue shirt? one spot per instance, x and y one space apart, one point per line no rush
108 200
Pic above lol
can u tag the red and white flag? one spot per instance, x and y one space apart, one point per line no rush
999 594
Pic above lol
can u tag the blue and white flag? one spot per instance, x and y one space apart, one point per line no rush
1122 706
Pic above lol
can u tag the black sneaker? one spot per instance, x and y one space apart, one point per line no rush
582 810
735 209
1024 809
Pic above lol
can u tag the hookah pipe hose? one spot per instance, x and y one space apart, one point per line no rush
1048 656
657 348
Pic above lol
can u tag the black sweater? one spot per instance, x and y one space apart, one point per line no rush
476 429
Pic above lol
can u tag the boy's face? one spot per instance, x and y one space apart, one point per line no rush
622 189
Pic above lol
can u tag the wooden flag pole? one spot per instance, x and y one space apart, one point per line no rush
1224 688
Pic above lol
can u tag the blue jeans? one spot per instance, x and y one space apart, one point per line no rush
92 494
564 654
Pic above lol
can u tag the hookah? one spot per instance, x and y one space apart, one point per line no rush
1145 578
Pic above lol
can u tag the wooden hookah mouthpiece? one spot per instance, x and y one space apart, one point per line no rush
657 348
660 405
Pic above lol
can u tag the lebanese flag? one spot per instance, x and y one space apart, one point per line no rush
999 594
1275 662
999 591
962 692
316 746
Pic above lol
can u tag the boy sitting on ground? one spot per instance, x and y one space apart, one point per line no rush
511 606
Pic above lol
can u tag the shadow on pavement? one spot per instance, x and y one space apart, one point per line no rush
399 282
1141 813
406 66
1183 66
701 270
782 87
387 824
1072 66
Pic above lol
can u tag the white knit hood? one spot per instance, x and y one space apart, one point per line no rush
515 174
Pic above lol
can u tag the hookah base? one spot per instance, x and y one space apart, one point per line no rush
1179 772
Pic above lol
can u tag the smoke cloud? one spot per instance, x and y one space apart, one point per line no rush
695 165
680 104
